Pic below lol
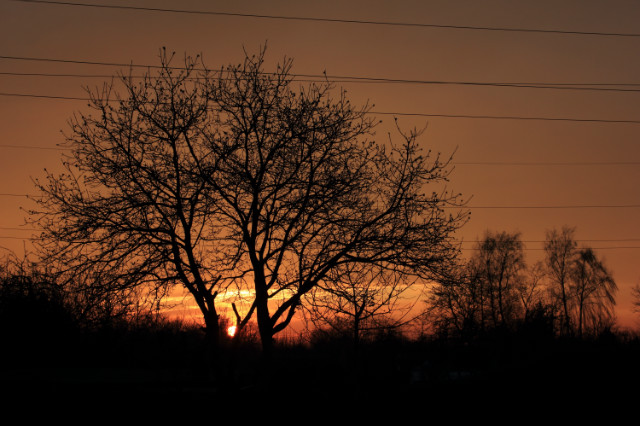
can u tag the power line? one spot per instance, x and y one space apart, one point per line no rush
541 249
397 113
323 77
464 248
312 78
33 147
338 20
29 95
599 240
18 238
544 163
591 206
453 163
83 62
506 117
616 240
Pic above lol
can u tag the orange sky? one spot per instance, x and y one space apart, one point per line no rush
398 52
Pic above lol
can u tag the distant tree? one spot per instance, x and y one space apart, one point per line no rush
240 178
497 266
635 291
595 291
560 248
490 290
581 285
571 290
360 301
30 300
455 303
532 292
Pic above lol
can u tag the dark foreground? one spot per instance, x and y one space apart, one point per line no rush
488 377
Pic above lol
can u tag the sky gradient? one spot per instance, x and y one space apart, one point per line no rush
557 148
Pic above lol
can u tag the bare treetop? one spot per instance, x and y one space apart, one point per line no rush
241 177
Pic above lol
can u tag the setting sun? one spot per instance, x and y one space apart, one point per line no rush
401 203
231 331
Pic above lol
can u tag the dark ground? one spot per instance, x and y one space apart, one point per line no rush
491 376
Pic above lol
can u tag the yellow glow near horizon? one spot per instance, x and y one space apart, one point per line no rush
231 331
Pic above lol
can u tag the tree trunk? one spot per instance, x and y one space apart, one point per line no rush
212 342
265 327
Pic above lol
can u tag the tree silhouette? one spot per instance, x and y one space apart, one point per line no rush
595 292
490 290
241 180
130 215
497 266
560 247
495 289
359 301
303 192
581 285
635 291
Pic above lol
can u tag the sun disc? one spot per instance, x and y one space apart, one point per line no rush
231 331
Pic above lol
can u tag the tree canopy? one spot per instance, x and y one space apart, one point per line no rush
240 182
571 290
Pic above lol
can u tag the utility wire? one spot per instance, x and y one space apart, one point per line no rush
82 62
463 248
541 249
396 113
323 77
29 95
617 240
337 20
544 163
453 163
578 241
591 206
506 117
311 78
33 147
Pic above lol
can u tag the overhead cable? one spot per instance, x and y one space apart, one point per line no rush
337 20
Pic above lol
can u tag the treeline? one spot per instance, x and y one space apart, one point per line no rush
46 323
496 321
569 293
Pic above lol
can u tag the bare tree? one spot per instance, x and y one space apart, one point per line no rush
496 289
455 303
497 266
130 215
488 291
560 247
594 290
532 292
635 291
360 301
304 192
241 177
581 285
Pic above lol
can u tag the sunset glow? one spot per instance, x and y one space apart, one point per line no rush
231 331
394 206
532 158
